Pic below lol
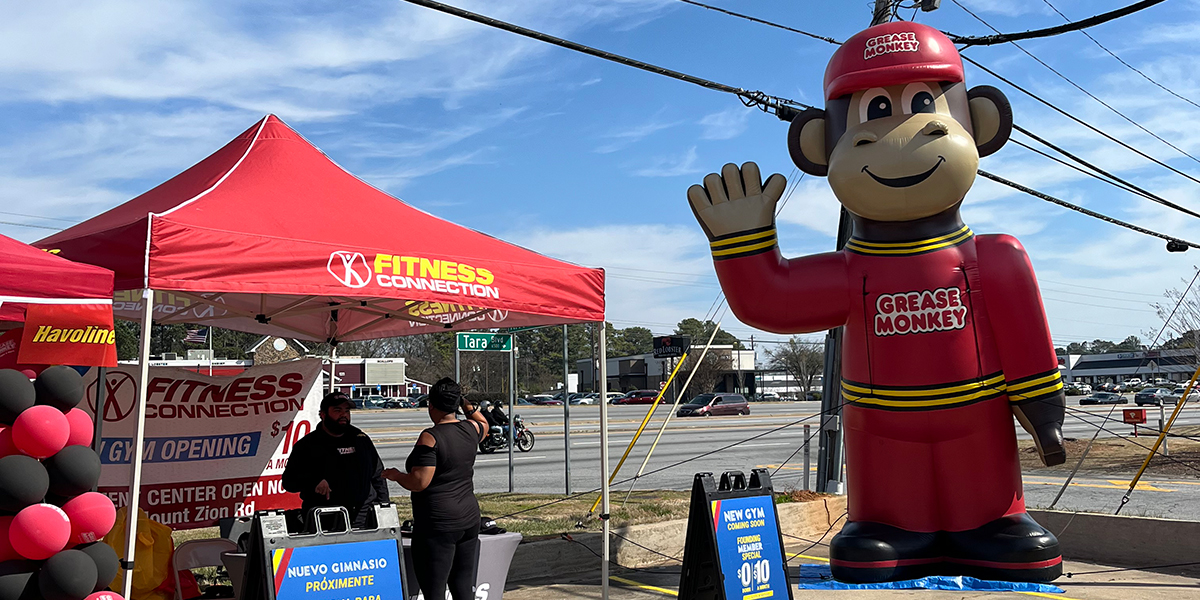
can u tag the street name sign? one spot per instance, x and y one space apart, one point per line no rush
485 342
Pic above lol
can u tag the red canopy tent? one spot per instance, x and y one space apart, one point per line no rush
32 276
268 235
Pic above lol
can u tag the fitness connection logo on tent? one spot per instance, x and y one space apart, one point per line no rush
354 270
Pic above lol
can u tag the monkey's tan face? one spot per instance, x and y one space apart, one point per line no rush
907 153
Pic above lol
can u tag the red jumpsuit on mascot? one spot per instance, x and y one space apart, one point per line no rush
945 339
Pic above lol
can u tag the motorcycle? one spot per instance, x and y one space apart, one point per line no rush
498 438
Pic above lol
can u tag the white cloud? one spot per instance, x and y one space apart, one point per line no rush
623 138
674 166
812 205
678 282
726 124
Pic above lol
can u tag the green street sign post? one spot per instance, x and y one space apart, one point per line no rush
485 342
493 342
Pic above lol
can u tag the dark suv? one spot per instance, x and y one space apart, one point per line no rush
706 405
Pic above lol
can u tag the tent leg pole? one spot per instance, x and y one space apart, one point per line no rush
604 461
135 487
332 366
98 411
566 414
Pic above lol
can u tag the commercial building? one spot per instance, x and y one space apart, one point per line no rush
645 372
1117 367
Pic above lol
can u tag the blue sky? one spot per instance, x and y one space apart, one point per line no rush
579 158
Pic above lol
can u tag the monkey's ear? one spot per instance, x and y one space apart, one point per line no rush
991 118
806 142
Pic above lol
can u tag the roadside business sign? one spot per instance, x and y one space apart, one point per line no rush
734 548
338 571
68 334
485 342
671 346
1134 416
215 447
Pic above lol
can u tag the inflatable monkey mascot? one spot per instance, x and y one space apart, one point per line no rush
946 338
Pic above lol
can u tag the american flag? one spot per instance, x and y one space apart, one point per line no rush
196 336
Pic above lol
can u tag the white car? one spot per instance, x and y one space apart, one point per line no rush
1132 383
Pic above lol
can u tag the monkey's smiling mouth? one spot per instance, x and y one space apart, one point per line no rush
903 182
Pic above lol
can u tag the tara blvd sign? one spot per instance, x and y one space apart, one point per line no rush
485 342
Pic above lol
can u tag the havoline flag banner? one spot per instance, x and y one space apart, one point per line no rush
214 447
69 334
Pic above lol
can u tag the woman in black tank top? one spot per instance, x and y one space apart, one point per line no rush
445 541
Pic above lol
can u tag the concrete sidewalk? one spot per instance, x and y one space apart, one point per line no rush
1086 583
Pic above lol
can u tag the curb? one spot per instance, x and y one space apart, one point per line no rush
537 558
1130 542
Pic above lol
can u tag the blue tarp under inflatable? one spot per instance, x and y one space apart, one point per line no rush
818 577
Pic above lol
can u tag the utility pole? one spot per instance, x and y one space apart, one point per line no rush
883 11
829 450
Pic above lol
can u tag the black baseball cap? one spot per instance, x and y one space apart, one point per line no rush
334 399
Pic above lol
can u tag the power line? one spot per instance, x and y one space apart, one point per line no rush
1129 186
1001 38
1079 87
1077 168
1088 212
1121 60
761 21
16 214
1077 119
30 225
1118 182
782 107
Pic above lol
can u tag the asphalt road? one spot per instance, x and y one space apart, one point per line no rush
542 469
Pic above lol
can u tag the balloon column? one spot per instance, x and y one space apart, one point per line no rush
50 521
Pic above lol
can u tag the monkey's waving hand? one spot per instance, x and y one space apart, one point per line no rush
735 203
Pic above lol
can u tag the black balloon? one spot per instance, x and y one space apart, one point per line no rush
60 387
106 561
16 395
73 471
18 580
68 575
23 481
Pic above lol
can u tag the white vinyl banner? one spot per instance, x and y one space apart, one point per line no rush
214 447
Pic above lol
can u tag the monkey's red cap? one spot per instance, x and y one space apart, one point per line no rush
892 54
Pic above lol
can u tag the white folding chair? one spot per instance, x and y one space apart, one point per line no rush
196 554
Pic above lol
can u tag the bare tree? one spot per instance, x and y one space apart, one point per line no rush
801 359
1186 318
1181 314
708 373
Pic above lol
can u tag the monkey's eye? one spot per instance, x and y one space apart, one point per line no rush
922 102
918 98
879 107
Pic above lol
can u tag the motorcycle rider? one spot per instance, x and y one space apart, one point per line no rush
495 416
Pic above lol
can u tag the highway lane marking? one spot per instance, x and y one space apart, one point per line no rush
505 459
818 558
652 588
1111 485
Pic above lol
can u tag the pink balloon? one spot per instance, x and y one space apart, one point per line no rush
81 429
39 531
6 442
104 596
41 431
6 549
92 516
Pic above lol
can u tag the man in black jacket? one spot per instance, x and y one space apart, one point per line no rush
336 464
